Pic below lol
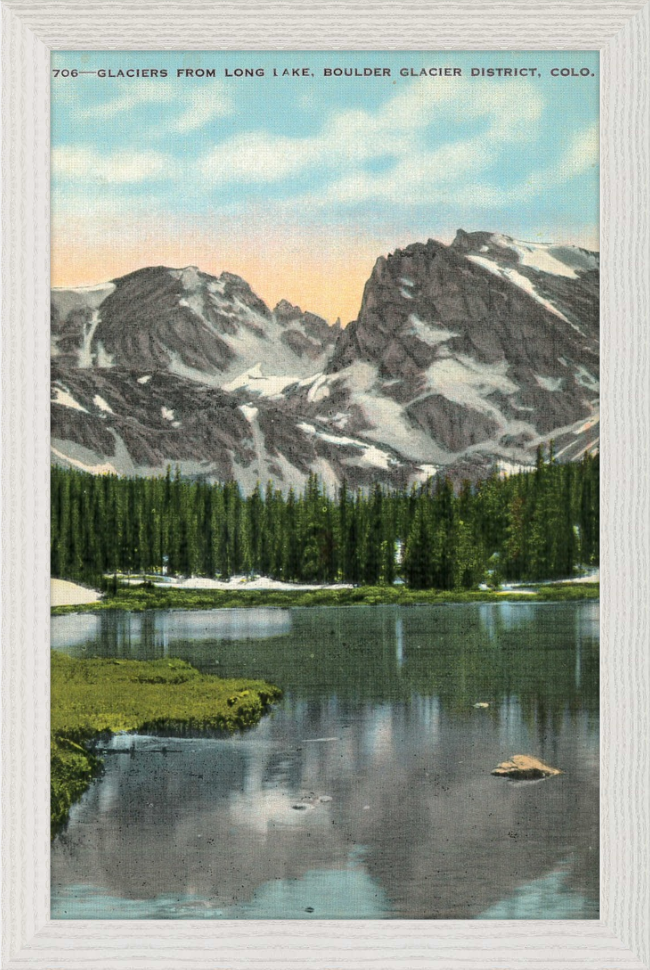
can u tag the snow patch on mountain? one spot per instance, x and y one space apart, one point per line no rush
100 403
510 274
549 383
338 420
319 388
376 458
103 468
255 381
249 412
85 354
76 297
217 286
587 379
386 420
194 302
587 425
548 258
590 447
429 333
370 455
425 473
63 397
513 468
102 358
469 382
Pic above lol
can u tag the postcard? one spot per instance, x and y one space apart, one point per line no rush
325 485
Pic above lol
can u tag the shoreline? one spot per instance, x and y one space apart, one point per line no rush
65 592
135 599
152 695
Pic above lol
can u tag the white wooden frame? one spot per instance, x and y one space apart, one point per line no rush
620 29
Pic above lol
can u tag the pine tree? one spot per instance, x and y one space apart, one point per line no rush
373 539
527 526
418 563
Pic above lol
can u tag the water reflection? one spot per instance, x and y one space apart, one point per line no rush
399 641
368 792
151 634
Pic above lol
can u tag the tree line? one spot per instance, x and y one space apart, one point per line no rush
535 525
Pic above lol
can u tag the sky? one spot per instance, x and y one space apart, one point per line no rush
299 183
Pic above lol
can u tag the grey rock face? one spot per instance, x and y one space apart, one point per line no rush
453 425
462 357
306 334
186 322
110 420
488 344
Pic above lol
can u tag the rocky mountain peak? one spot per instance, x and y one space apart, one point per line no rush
467 242
462 356
530 258
286 312
307 334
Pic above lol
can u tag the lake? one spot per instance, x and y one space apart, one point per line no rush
367 792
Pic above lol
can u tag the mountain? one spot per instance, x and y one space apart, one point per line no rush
464 356
118 420
175 366
185 322
473 353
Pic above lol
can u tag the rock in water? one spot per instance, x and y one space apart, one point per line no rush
523 767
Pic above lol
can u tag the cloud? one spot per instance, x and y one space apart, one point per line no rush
78 163
202 104
258 157
198 103
461 143
405 148
581 155
130 96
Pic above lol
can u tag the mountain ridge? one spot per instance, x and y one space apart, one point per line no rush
464 357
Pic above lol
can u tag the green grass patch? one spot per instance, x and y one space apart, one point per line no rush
95 697
138 598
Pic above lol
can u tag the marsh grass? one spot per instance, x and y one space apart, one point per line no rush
97 697
149 597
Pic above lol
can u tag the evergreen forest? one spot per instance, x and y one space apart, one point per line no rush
530 526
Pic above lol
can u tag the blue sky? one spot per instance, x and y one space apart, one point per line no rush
302 182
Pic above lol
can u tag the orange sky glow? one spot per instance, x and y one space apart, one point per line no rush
322 276
324 272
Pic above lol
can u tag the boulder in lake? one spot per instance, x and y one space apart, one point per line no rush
523 767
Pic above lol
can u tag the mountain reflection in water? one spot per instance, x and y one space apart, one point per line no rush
367 793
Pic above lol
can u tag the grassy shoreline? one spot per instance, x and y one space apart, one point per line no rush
137 599
97 698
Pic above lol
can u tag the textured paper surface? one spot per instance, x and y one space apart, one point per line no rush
621 938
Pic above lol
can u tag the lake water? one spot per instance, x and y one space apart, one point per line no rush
367 792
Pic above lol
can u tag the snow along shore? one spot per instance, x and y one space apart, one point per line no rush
63 593
243 583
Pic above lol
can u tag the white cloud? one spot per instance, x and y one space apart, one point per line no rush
258 157
129 95
428 143
198 104
401 135
202 104
79 163
581 155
